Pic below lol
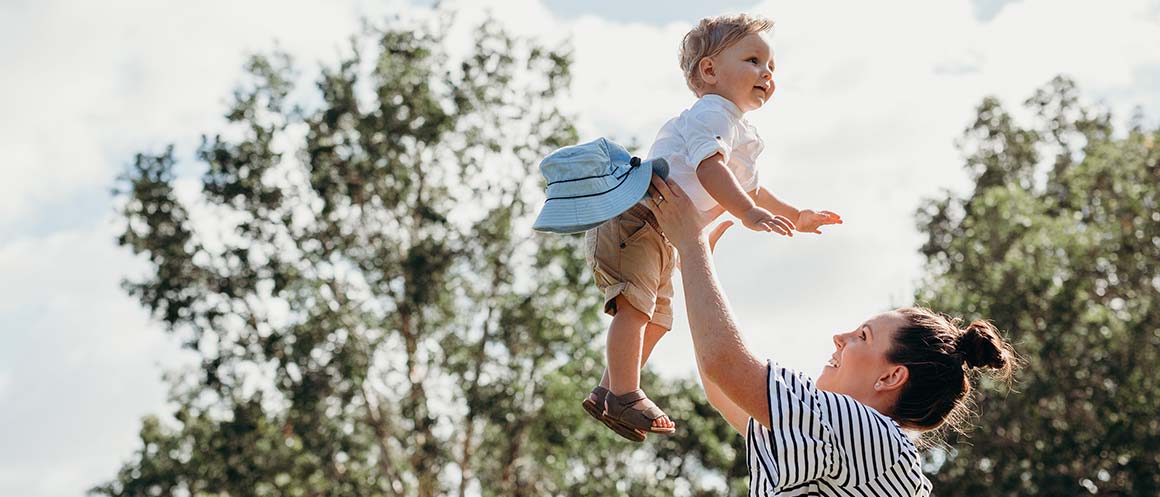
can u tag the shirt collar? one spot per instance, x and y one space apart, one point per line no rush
722 102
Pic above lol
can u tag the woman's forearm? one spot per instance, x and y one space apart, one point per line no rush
735 416
720 350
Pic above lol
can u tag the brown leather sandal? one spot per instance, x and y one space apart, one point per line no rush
621 410
596 410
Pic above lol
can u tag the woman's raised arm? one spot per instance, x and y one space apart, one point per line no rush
721 353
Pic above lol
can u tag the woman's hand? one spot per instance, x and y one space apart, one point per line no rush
680 220
716 234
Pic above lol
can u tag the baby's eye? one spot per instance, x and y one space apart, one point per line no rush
752 59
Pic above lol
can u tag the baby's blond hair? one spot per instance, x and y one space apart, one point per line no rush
713 35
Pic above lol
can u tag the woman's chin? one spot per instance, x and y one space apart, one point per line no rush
824 380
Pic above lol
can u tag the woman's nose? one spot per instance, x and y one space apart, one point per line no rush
838 341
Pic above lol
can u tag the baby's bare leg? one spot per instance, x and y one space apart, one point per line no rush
652 335
623 348
626 349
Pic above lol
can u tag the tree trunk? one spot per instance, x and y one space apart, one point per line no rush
423 438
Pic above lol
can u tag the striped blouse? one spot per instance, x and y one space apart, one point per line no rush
827 444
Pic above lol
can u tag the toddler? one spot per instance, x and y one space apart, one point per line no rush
711 151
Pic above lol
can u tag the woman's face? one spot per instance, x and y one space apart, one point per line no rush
859 360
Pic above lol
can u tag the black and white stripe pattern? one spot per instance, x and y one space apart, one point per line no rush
825 444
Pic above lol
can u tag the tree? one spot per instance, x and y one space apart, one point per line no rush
1059 244
371 312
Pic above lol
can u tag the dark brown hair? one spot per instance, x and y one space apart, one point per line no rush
940 357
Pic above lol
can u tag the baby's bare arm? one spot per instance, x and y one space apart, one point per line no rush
722 185
766 200
719 181
805 220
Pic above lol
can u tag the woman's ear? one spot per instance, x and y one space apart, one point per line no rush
707 70
892 379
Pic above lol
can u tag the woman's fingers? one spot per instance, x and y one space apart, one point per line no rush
654 204
716 234
674 188
655 197
715 212
664 187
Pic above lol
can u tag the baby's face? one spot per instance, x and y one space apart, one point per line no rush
743 73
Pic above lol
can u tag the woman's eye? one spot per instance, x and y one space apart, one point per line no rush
862 335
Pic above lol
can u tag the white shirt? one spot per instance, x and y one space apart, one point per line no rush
828 444
713 124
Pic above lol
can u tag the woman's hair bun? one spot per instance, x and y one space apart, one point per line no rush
980 346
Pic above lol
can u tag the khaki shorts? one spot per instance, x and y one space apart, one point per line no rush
629 256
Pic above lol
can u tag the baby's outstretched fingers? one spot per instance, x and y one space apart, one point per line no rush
785 224
776 227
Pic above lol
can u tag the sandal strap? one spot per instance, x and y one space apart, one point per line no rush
628 397
619 405
653 412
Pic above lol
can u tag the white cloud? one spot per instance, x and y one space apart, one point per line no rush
96 82
82 362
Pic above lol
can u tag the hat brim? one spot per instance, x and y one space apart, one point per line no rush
574 215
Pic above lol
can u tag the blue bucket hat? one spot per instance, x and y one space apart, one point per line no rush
591 183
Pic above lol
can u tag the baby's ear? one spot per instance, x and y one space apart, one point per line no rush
707 70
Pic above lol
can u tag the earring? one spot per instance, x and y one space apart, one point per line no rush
878 385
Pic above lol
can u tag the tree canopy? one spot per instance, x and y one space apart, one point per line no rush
356 274
1059 244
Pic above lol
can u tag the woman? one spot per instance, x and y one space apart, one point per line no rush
843 434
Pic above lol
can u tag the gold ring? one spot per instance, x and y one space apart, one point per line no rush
660 198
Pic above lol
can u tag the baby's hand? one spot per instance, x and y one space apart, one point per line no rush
758 219
809 221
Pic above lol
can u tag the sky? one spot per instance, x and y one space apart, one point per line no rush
871 98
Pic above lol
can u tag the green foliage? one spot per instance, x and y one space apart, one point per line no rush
372 315
1059 244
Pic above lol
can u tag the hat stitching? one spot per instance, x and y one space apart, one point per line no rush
634 162
578 179
622 178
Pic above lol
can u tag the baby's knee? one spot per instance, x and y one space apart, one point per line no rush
654 329
623 310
